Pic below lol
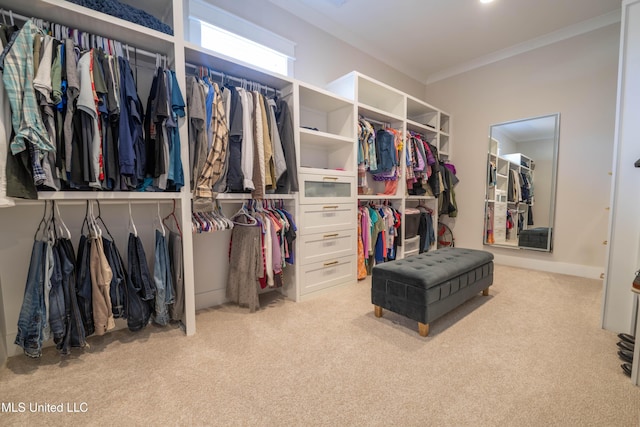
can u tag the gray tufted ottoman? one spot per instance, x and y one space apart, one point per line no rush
426 286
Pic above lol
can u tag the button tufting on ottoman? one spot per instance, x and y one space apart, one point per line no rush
426 286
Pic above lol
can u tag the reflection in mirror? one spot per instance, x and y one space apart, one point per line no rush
521 183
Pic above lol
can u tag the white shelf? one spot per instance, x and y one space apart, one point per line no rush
321 99
89 20
420 128
108 195
378 197
308 136
378 114
326 171
425 197
247 196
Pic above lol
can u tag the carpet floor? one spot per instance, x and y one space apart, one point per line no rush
530 354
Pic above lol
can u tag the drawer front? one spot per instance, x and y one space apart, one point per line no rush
326 188
325 274
323 246
411 245
327 218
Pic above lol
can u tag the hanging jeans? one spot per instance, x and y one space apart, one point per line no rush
162 279
83 283
140 292
74 332
118 285
175 259
57 310
32 313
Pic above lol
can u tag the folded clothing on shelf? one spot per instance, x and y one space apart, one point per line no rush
126 12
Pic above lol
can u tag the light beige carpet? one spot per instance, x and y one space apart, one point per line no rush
532 353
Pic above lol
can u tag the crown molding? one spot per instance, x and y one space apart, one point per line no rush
538 42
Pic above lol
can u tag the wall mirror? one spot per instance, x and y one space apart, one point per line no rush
521 183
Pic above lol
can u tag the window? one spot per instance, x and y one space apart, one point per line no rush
222 32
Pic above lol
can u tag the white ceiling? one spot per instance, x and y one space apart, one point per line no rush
433 39
528 130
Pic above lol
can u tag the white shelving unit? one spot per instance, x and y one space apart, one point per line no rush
380 102
497 199
325 208
325 125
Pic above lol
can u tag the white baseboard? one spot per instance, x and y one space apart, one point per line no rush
587 271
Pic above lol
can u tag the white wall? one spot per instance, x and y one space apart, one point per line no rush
3 331
575 77
320 57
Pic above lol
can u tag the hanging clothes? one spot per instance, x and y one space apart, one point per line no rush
245 265
141 291
78 119
163 281
176 262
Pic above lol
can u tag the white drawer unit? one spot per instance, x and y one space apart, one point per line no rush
323 246
326 188
327 218
411 245
325 274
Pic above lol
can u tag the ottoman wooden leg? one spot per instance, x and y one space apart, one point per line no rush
485 292
377 311
423 329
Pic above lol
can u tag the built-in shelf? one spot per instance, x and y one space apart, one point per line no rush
108 195
89 20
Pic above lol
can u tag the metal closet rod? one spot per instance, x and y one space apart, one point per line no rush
132 49
375 121
230 77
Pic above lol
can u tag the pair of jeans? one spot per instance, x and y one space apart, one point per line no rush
83 283
57 309
175 260
33 311
74 333
118 280
140 291
163 281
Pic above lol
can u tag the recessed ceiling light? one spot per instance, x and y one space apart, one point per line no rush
486 1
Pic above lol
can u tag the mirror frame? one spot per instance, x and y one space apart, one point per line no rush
554 182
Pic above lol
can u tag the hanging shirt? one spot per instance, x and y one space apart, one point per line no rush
18 80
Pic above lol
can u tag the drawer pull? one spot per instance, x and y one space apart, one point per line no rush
326 236
330 178
330 207
327 264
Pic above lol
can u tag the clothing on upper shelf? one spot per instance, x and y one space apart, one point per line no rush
239 141
378 154
126 12
422 166
261 246
77 121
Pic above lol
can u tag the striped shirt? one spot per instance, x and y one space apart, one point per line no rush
18 80
217 154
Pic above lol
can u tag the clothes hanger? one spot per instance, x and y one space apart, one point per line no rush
243 212
43 222
159 218
172 214
132 225
61 223
99 217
